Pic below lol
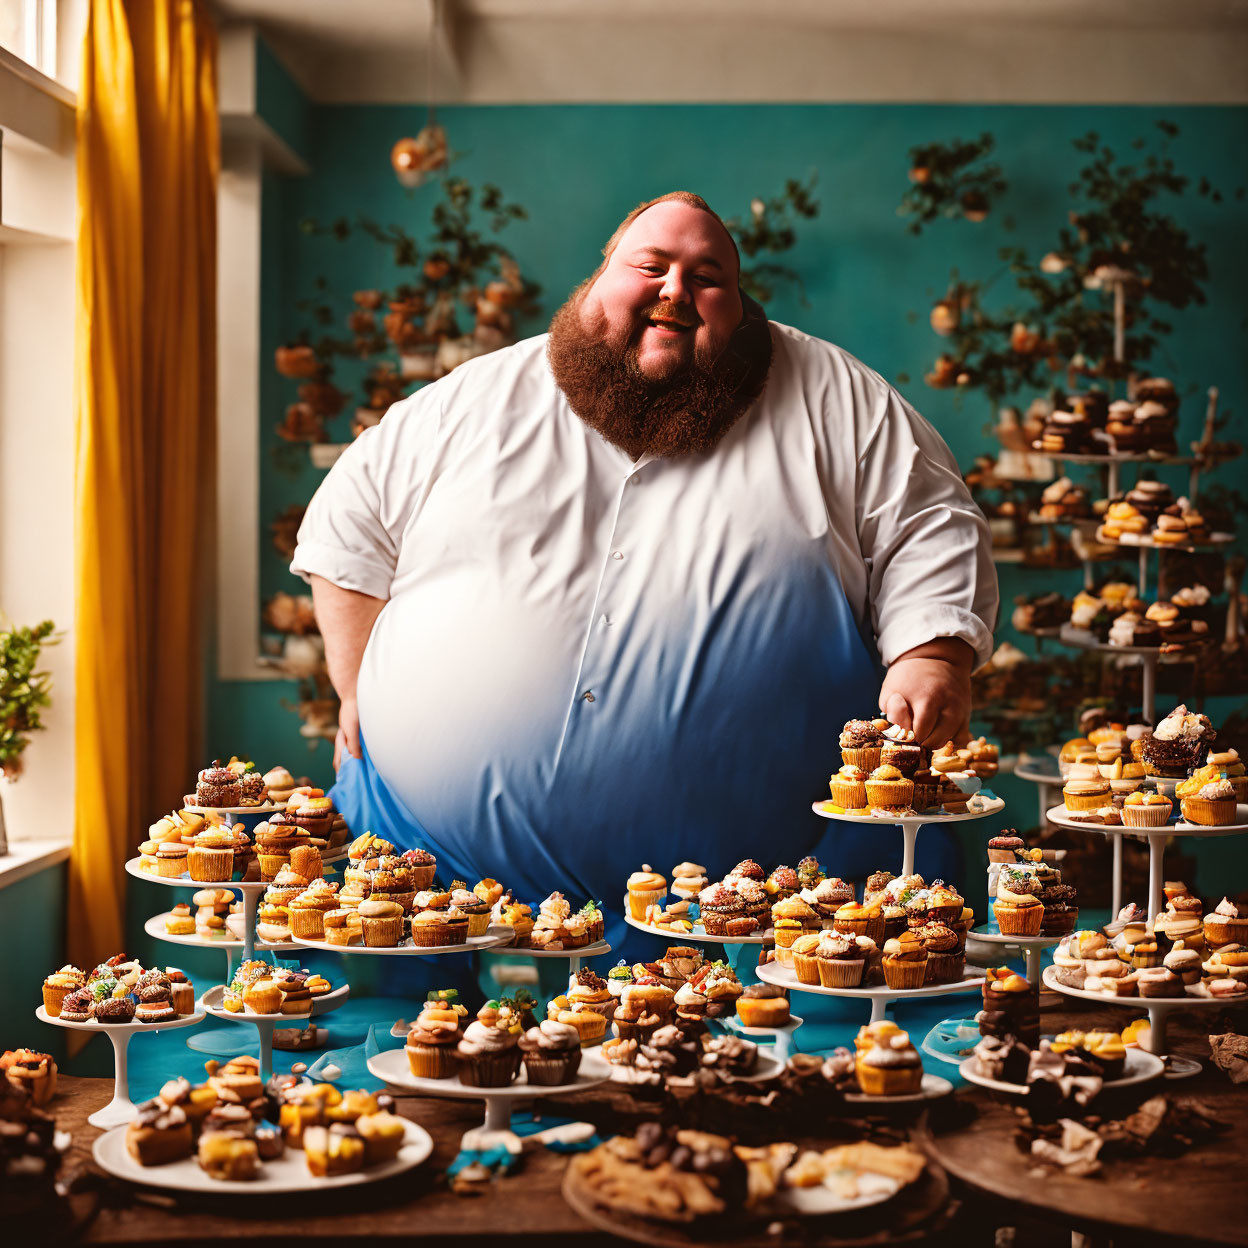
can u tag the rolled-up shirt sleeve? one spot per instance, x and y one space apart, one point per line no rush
353 527
926 545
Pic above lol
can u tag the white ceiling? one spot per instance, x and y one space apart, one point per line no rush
491 51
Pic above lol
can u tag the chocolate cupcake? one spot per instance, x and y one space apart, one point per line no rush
861 742
719 905
1001 848
217 786
114 1010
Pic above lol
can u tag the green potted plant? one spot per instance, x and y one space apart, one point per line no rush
24 693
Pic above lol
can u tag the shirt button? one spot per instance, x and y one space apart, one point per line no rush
617 554
588 695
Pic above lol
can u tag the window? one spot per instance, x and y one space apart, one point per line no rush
28 30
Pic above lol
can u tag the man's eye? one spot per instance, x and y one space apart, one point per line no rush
652 270
705 280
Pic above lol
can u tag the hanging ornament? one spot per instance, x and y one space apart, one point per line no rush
415 159
945 316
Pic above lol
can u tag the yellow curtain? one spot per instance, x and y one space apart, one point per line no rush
145 396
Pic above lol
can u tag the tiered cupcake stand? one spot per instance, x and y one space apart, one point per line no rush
391 1067
909 824
266 1024
988 941
121 1109
1156 838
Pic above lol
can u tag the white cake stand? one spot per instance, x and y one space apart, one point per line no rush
932 1088
1156 838
251 890
155 927
1031 947
909 824
392 1069
1159 1010
781 1037
265 1024
699 936
879 995
574 957
497 935
121 1108
1042 771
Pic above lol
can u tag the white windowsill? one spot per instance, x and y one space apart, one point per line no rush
25 858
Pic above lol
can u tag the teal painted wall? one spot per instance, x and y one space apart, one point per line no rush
578 169
34 932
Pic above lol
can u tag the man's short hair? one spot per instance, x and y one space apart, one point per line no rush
681 197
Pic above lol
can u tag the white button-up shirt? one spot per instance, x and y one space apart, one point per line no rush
672 644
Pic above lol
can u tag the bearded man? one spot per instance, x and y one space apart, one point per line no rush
607 596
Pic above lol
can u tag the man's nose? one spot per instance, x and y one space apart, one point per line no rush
675 287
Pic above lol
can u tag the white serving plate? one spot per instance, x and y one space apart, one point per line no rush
121 1029
155 927
1140 1067
185 881
786 977
1014 942
210 1002
1060 816
266 808
992 806
932 1088
392 1069
1188 1000
698 936
814 1201
288 1173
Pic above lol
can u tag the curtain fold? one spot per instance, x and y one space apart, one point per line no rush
145 398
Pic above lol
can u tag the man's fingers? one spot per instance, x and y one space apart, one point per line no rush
896 710
926 719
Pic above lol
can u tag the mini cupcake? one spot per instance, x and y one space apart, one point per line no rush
646 888
488 1054
309 908
589 991
381 923
905 961
435 929
901 750
888 789
859 919
887 1063
551 1052
478 911
211 858
763 1005
432 1039
849 787
782 883
1001 848
1226 924
58 986
1085 794
644 1005
861 742
718 906
1146 810
1017 913
1212 805
790 919
841 958
421 865
945 955
805 966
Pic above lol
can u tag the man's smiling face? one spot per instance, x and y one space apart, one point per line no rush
668 294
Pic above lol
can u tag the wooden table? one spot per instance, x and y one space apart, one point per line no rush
1195 1198
525 1207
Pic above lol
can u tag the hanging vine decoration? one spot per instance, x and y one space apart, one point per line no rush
771 229
951 180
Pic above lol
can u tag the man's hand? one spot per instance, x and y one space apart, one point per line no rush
348 738
928 690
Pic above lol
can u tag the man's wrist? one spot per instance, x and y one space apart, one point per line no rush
951 650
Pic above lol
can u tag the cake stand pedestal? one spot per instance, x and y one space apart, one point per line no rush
746 957
1156 838
390 1066
1031 947
265 1024
780 1037
1043 771
121 1109
497 935
909 824
879 995
1159 1010
251 890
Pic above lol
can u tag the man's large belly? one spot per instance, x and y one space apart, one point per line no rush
536 737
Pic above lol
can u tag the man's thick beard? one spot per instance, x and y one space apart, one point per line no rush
686 414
